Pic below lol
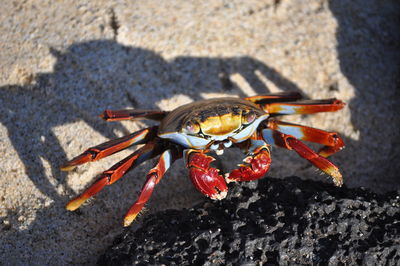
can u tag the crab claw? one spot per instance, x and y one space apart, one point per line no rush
256 167
207 180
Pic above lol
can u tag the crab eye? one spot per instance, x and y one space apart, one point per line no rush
192 128
248 118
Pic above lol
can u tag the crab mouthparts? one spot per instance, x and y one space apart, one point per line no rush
219 146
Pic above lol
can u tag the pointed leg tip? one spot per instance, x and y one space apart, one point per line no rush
338 183
67 167
338 180
340 103
133 212
336 175
103 116
85 157
74 204
129 219
126 223
324 154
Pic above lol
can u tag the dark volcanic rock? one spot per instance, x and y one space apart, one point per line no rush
272 222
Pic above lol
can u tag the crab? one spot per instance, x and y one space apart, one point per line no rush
198 129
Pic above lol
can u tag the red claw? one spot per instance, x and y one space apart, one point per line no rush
256 167
207 180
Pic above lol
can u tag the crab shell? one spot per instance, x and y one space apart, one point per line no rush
212 124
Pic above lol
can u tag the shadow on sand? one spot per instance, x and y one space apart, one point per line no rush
89 77
368 46
92 76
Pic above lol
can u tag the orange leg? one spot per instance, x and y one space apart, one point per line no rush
131 114
291 143
152 179
332 141
111 147
303 107
114 173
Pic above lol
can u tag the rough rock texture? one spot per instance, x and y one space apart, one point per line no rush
275 222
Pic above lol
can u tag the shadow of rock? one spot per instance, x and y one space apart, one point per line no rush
368 45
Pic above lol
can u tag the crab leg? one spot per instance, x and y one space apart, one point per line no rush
206 179
110 147
303 107
131 114
257 163
332 141
275 97
291 143
152 179
114 173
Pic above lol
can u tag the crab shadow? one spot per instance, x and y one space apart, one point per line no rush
91 76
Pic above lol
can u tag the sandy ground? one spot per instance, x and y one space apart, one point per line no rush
64 62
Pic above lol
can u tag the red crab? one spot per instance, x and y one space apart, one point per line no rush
194 130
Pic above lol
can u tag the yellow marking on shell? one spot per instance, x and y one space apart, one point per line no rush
221 125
